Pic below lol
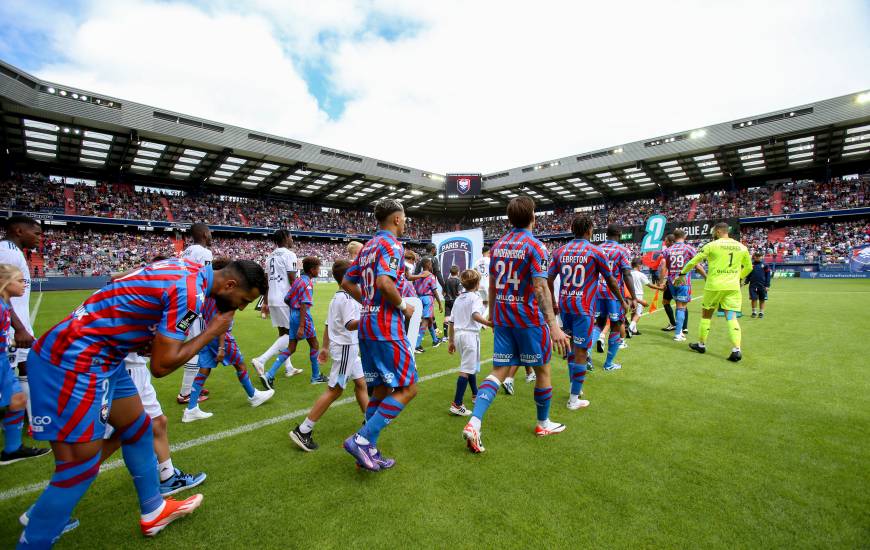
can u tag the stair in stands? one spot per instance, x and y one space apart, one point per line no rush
242 216
776 203
693 210
165 202
69 200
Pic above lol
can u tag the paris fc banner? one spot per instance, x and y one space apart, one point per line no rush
459 248
859 259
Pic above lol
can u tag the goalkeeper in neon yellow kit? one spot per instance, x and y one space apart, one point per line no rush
728 263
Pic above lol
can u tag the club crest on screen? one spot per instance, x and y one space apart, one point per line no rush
463 185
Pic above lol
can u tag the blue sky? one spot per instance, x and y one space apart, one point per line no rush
452 85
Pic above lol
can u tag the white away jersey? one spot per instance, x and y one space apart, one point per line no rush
638 281
11 254
279 262
198 254
466 305
482 267
342 310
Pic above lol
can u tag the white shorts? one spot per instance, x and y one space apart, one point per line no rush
468 348
142 380
280 315
195 330
346 364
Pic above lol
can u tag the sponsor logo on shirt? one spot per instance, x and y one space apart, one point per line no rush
186 321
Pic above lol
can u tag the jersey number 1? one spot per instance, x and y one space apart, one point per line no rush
655 230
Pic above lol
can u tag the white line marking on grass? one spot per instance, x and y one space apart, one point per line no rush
217 436
36 309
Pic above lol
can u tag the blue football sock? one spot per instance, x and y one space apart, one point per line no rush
485 396
315 366
578 376
432 333
461 385
137 446
13 421
196 389
472 383
613 344
372 408
681 320
596 332
543 396
420 337
388 410
245 381
279 360
54 507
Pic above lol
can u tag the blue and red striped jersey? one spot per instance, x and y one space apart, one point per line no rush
301 292
618 258
5 323
676 256
125 315
426 286
209 310
515 260
383 255
406 288
579 264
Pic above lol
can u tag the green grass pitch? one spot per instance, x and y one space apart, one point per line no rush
676 450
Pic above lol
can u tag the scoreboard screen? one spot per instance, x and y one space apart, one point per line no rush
463 185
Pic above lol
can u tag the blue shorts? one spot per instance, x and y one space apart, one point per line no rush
73 407
9 384
681 293
387 363
428 310
757 292
232 355
579 328
609 308
308 331
527 347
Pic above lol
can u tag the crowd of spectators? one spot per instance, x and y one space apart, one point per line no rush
828 243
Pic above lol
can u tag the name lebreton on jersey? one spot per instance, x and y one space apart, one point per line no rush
379 319
515 260
124 316
579 265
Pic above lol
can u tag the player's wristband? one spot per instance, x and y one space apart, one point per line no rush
403 306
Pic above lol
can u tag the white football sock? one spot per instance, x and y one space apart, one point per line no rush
25 389
280 343
307 426
187 380
475 422
166 470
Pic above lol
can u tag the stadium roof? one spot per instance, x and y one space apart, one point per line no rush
76 130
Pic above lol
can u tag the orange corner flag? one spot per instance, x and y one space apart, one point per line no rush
652 306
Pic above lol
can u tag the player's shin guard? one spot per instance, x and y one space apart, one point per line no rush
280 343
372 408
485 396
472 383
137 446
461 385
13 422
196 389
388 410
704 330
613 343
543 396
734 332
315 365
245 381
670 311
187 379
54 507
577 372
681 319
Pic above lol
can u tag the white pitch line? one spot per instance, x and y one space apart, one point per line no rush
36 309
217 436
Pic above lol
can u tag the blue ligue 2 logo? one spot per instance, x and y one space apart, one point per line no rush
655 230
455 251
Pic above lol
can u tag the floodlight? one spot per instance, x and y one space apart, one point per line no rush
863 98
697 134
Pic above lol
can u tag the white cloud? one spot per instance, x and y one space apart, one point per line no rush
481 85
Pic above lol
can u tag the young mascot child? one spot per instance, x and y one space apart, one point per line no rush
341 342
465 322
